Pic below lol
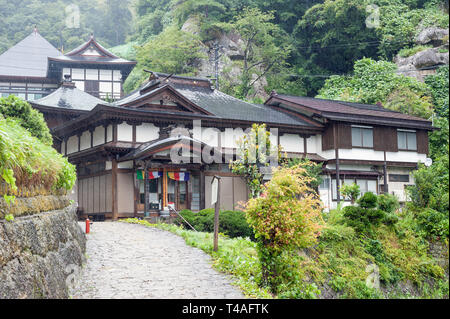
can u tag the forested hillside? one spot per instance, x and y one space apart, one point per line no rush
66 24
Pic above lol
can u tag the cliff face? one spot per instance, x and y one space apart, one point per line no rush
230 55
426 61
40 253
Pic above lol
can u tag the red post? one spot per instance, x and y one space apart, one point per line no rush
88 224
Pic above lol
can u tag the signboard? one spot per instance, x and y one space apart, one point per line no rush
214 190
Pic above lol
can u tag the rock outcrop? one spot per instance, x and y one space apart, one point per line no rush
39 253
425 62
230 55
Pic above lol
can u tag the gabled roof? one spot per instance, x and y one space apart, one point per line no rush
201 93
28 58
68 97
346 111
147 149
91 52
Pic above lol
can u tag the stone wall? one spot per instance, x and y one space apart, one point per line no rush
39 252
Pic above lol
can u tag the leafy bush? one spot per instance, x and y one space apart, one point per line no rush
433 223
28 165
350 191
388 203
231 223
368 200
28 117
286 216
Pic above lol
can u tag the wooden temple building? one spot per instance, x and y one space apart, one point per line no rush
161 145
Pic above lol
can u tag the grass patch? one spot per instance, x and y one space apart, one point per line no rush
407 52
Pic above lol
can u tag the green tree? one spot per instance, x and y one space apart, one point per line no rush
264 52
377 81
439 86
333 34
286 216
28 117
172 51
254 151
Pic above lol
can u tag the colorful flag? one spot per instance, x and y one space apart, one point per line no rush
151 174
178 176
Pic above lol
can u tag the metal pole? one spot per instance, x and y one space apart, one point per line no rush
216 63
216 216
145 190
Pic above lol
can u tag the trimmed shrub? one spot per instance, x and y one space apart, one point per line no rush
388 203
368 200
433 223
231 223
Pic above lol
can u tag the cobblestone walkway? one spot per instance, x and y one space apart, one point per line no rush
134 261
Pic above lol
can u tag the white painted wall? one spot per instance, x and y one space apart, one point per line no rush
127 164
230 137
125 132
210 136
146 132
314 144
109 133
72 144
99 135
402 156
85 140
291 143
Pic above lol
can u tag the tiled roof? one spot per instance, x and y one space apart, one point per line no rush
221 105
69 97
28 58
348 108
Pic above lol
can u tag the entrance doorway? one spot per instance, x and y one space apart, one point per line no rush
164 188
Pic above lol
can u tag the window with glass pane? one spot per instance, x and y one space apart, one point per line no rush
362 137
407 140
91 74
77 74
401 140
367 137
411 141
356 137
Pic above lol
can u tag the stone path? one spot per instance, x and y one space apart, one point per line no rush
134 261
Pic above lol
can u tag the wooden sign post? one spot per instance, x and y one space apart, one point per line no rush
215 200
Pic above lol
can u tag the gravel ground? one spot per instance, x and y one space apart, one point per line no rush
133 261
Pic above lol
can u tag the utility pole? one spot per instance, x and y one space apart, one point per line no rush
216 200
216 58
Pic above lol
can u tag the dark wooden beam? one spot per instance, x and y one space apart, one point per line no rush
114 189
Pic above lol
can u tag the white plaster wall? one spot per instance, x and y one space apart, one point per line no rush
398 188
146 132
210 136
85 140
127 164
230 137
108 165
125 132
409 157
292 143
72 144
109 133
361 154
99 135
314 144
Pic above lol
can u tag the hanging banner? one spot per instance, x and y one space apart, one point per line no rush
178 176
151 175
